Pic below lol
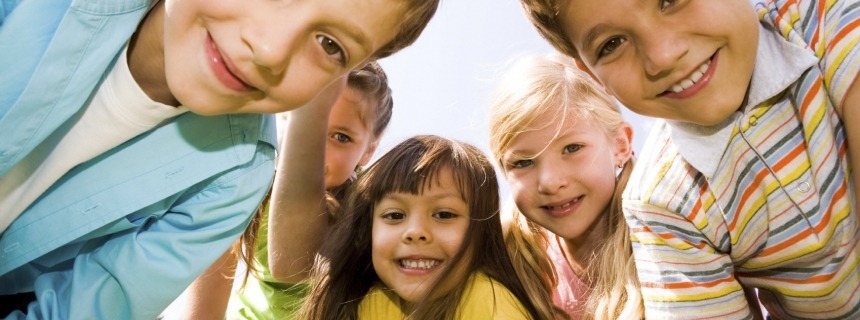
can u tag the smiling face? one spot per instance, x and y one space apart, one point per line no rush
231 56
415 236
686 60
567 184
350 141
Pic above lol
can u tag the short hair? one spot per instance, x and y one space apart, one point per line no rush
413 22
544 15
372 81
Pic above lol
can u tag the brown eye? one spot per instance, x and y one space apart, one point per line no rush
332 48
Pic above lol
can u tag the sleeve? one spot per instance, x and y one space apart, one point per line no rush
681 272
841 50
135 274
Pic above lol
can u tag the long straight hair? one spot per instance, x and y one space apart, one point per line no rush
344 272
553 84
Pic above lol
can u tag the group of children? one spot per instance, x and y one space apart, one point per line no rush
741 204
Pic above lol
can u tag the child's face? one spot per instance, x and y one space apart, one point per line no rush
570 181
414 237
233 56
350 141
686 60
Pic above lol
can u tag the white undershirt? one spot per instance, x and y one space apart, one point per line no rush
119 111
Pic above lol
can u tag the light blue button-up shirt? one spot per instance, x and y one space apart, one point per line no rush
119 236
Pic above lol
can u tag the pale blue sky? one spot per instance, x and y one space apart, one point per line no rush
442 83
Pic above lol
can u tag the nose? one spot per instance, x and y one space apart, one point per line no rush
550 181
416 232
270 45
661 52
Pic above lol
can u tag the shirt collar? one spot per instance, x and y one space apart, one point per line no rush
778 64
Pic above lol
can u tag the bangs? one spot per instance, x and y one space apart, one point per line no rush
418 163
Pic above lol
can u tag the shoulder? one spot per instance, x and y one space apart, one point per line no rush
380 304
486 296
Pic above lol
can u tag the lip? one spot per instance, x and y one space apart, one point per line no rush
562 208
699 85
222 68
416 271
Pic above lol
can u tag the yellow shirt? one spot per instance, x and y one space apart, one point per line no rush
484 298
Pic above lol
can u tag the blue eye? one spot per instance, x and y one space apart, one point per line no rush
521 163
571 148
340 137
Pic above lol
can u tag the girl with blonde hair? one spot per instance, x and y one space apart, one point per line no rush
566 152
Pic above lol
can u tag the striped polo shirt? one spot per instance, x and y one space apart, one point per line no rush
764 199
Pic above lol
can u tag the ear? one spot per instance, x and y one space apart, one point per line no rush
623 143
581 65
368 153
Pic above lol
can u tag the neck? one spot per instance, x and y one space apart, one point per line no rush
146 57
580 251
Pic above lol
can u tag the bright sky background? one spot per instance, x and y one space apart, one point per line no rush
442 83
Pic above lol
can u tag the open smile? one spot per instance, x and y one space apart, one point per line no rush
695 82
418 266
562 208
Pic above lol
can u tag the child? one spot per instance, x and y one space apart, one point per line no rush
746 183
122 200
565 150
421 238
355 124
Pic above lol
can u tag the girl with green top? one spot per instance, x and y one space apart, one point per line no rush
280 243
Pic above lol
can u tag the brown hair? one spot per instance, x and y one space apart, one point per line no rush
544 15
413 22
553 84
344 273
372 81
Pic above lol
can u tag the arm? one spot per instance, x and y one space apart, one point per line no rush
136 273
851 121
208 295
682 276
297 219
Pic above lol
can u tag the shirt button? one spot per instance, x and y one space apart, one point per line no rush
753 120
804 187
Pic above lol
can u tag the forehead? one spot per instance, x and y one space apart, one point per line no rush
582 17
548 127
352 107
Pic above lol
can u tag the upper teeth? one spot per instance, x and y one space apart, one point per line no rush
689 82
418 264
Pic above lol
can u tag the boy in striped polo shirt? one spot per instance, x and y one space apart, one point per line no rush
746 182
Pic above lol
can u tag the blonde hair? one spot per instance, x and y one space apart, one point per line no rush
537 85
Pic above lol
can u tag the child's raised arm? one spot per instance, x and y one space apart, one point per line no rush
851 121
297 218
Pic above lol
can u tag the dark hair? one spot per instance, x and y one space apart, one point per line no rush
344 272
372 82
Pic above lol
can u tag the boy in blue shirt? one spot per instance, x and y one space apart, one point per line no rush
113 197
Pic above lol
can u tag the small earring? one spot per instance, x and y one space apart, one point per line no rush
618 170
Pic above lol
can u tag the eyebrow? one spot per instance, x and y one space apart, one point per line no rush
592 34
357 35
